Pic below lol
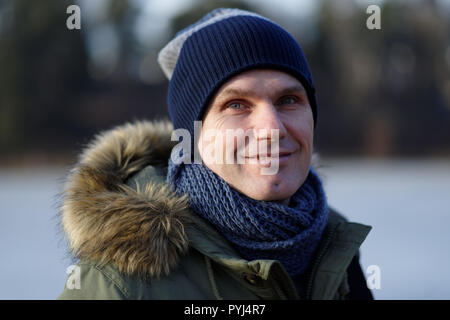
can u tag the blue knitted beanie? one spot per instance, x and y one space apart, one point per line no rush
221 45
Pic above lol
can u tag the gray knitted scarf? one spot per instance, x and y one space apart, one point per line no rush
257 229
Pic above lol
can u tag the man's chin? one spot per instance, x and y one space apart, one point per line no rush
275 198
271 192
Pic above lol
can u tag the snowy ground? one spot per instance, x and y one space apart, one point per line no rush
407 202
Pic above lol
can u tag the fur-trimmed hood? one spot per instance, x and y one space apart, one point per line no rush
141 231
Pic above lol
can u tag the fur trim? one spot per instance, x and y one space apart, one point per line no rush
141 231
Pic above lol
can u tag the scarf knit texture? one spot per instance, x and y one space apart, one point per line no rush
257 229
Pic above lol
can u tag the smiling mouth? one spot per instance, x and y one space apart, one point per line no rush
267 159
270 156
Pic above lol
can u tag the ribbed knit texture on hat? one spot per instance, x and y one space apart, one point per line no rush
220 50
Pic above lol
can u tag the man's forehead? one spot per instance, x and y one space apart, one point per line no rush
236 91
254 80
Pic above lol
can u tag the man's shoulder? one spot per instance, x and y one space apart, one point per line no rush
335 216
338 220
90 280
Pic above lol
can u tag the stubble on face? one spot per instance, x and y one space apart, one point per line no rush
249 102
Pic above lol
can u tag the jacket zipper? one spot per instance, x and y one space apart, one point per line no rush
316 264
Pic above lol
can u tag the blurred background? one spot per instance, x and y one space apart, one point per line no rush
383 132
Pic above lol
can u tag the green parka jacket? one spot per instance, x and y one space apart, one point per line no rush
136 239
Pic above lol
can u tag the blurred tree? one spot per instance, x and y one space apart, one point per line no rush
380 91
122 14
42 65
200 8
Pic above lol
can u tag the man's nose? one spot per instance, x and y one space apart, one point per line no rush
266 118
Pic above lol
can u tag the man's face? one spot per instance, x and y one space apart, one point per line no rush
252 101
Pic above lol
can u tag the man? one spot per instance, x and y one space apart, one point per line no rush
248 221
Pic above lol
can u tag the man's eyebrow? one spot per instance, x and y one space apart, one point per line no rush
243 92
290 90
234 92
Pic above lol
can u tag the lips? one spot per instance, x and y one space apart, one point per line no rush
269 155
266 160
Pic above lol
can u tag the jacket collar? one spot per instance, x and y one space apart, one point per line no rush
339 244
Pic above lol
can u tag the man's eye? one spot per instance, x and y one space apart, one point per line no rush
235 106
288 100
